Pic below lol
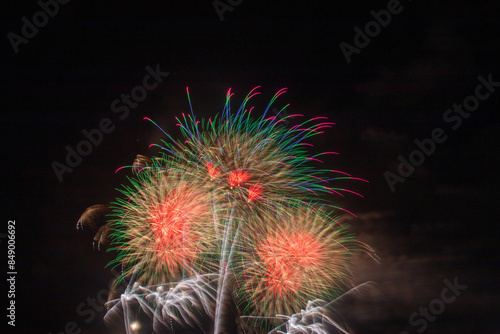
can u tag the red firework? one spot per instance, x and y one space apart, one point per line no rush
286 256
175 239
172 231
237 177
291 257
255 191
212 170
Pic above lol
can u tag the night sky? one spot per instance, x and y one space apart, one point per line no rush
439 224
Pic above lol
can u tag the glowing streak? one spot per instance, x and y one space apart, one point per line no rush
120 168
357 178
340 172
212 170
255 191
315 159
237 177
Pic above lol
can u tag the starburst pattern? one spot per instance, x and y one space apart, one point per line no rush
162 227
239 198
301 255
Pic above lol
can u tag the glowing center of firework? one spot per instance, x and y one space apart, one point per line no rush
172 225
287 257
237 177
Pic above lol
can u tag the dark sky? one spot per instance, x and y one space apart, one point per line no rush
439 224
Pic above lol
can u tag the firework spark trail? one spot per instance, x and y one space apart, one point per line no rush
222 287
318 317
183 302
261 147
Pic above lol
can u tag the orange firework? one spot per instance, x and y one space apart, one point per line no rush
237 177
173 226
165 229
212 170
289 258
254 192
286 256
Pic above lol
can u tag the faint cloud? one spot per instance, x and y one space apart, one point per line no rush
381 138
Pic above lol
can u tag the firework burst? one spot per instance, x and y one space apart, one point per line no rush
291 258
163 227
253 159
237 199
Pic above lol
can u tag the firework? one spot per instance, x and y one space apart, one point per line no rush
252 158
183 305
238 200
163 227
291 258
